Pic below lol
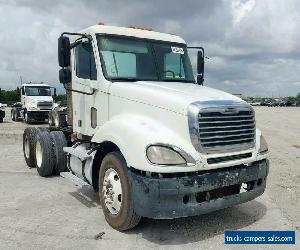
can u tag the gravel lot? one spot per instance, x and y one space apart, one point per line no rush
54 213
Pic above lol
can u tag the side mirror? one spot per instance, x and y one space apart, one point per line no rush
64 76
54 94
200 67
200 79
64 51
200 62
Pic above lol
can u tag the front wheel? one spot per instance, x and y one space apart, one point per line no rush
115 194
26 117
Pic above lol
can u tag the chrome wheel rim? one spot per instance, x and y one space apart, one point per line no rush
26 147
112 191
38 154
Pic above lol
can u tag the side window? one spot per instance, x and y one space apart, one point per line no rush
85 61
174 66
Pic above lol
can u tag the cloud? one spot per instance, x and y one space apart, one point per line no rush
253 46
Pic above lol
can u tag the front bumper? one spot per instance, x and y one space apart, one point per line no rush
197 193
38 115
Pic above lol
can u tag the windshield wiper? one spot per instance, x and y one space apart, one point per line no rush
178 80
124 79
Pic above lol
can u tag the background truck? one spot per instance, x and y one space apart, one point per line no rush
2 108
148 137
2 112
36 102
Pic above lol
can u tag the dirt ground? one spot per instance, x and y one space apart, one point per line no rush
55 213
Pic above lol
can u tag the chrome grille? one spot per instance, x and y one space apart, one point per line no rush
44 105
226 129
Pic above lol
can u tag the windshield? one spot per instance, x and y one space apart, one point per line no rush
38 91
140 59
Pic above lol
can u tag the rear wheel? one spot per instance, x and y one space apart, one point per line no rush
29 143
29 140
59 142
12 115
16 116
115 194
45 160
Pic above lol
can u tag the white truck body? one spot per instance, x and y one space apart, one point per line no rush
36 100
148 112
144 129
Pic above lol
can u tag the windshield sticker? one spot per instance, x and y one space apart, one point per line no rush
104 43
177 50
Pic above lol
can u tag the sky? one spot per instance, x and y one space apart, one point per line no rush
253 45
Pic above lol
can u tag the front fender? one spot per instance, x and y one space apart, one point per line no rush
133 133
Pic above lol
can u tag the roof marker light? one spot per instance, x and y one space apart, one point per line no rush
139 28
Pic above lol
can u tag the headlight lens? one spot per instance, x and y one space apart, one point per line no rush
263 145
164 156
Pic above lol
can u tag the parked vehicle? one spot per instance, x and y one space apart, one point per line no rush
36 102
2 112
148 137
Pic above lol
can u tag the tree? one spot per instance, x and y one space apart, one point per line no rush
9 96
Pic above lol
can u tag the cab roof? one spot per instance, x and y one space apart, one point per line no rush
35 85
132 32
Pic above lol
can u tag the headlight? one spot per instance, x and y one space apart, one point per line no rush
163 155
263 148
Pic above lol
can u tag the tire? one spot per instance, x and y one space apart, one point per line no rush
12 113
45 160
50 119
59 142
29 141
56 119
29 144
1 119
26 117
125 218
16 115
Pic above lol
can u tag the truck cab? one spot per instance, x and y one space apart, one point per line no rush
36 101
147 134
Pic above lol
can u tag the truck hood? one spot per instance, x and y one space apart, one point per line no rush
173 96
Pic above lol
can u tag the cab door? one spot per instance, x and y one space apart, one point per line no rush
89 109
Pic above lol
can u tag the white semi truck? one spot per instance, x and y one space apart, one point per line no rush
36 102
144 133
